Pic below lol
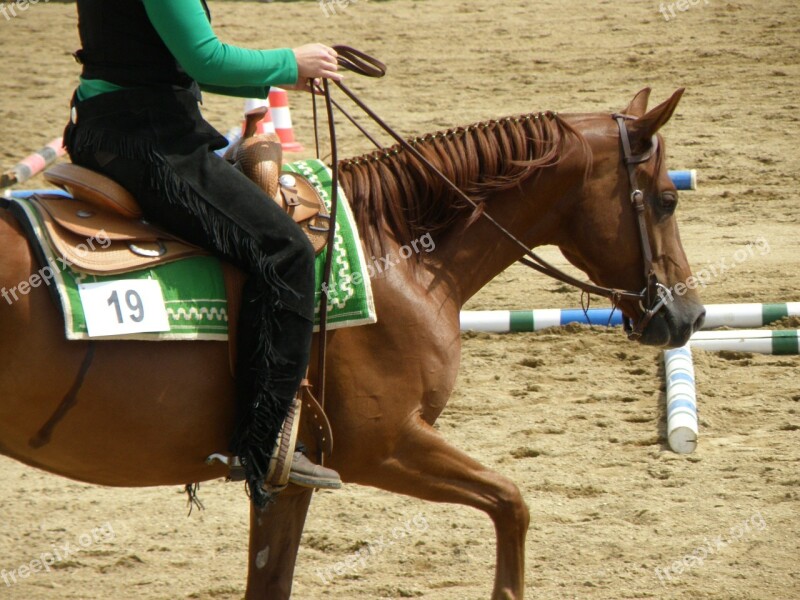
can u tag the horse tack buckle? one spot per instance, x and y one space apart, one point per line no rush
314 227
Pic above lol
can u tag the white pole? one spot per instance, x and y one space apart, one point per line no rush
762 341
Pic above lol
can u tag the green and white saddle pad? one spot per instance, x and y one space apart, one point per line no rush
186 299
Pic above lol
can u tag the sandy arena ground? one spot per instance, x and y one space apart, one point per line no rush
574 416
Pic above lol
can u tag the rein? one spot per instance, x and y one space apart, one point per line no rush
651 299
357 62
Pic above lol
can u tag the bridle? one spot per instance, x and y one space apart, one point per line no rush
651 299
655 295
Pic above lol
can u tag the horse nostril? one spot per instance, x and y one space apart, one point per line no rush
698 322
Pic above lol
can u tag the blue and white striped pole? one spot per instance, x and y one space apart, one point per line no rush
681 400
684 180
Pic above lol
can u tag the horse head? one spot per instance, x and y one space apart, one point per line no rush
539 179
604 236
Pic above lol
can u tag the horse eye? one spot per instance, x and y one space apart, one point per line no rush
668 201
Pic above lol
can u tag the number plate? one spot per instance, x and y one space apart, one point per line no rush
122 307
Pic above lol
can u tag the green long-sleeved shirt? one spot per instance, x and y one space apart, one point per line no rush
218 68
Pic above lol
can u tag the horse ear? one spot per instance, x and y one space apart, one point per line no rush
646 126
638 105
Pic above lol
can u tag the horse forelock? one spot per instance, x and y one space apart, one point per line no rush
393 195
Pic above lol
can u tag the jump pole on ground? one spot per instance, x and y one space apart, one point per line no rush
33 164
761 341
717 315
684 180
681 400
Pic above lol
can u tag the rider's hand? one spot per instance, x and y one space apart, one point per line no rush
316 60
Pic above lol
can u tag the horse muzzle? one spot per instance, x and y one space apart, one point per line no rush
670 322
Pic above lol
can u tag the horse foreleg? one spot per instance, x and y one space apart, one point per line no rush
423 465
274 540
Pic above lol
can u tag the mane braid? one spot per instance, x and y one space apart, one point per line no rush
393 195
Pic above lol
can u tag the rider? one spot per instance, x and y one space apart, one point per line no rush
135 118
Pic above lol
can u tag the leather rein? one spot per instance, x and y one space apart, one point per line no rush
651 299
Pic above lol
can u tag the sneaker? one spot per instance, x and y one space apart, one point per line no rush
307 474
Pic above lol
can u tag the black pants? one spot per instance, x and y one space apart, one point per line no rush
167 162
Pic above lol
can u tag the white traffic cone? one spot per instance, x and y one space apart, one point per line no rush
279 103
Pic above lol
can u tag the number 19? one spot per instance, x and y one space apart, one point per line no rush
134 302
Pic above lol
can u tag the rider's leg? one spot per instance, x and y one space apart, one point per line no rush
204 200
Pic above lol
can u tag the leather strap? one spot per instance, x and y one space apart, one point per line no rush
43 436
322 342
318 419
360 63
649 303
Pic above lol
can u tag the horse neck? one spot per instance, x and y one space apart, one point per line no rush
397 200
470 255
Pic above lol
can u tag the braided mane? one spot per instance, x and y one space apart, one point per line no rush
390 189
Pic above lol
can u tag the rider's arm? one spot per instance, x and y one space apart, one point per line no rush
184 27
247 91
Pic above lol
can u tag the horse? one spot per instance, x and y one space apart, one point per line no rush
547 178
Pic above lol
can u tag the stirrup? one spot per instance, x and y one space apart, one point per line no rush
280 463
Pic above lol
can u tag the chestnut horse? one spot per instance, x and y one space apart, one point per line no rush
548 179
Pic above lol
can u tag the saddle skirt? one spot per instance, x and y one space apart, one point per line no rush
104 243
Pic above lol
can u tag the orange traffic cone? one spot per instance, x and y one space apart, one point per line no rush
265 125
279 102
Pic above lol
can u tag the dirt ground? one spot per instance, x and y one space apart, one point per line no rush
575 417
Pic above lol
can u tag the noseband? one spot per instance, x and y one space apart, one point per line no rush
651 299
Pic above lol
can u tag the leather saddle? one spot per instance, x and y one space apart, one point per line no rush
101 204
260 158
